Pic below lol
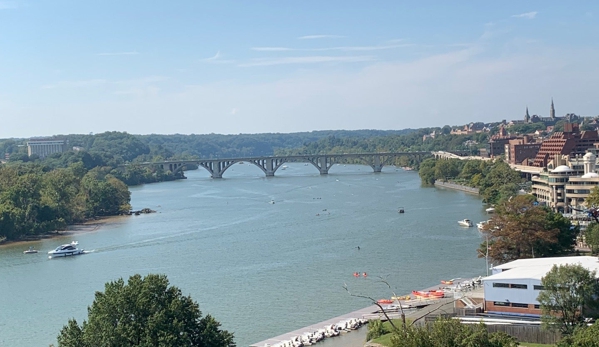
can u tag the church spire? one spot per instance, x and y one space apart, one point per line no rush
527 116
552 112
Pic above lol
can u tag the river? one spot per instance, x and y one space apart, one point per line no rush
260 268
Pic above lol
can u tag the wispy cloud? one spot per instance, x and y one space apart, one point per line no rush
528 15
342 48
217 58
313 37
75 84
307 60
119 53
7 5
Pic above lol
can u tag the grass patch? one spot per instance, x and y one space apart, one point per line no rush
526 344
385 340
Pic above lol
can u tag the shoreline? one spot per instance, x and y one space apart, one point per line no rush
73 229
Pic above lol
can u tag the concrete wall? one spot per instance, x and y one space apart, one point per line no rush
456 187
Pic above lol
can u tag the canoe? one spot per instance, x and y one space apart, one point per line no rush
385 301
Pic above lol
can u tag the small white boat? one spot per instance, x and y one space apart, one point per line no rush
272 202
65 250
284 167
465 223
30 251
490 210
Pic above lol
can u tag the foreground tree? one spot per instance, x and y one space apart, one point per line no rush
521 229
144 312
582 337
591 237
450 332
569 293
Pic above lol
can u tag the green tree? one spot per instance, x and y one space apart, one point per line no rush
144 312
500 183
591 237
521 229
470 169
427 171
447 169
450 333
569 293
593 198
582 337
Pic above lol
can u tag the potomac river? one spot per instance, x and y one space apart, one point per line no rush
264 256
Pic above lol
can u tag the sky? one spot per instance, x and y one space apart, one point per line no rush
229 67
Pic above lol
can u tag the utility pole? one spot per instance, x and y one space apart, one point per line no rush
487 255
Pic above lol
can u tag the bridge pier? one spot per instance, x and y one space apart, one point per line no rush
378 165
323 165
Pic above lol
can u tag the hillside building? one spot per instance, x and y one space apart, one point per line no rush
521 149
45 147
570 142
567 183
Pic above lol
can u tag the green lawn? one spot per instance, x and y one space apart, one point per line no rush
385 340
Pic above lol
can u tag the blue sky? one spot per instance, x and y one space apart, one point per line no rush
285 66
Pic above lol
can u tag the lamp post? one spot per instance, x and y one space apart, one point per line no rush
487 255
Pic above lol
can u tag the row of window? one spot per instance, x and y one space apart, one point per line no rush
513 304
516 286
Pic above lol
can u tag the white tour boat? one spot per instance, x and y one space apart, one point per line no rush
67 249
465 223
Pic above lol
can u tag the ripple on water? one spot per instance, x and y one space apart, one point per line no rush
261 269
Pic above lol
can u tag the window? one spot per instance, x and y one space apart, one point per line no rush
501 285
515 304
537 306
501 303
518 286
536 287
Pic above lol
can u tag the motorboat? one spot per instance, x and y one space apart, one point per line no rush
465 223
31 250
67 249
400 210
481 225
490 210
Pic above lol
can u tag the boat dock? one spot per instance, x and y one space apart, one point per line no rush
413 308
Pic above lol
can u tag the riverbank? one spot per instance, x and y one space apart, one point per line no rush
74 229
460 187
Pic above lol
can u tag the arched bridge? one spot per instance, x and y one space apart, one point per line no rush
269 165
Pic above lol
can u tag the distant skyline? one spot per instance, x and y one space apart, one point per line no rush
230 67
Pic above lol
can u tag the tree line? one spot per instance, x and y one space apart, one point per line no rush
496 180
35 199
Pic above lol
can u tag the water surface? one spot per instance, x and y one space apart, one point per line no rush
260 268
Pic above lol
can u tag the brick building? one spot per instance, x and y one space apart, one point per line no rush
571 142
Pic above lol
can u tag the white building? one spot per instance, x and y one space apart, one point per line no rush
513 287
45 147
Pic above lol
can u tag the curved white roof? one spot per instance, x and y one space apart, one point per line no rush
590 175
561 168
588 155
